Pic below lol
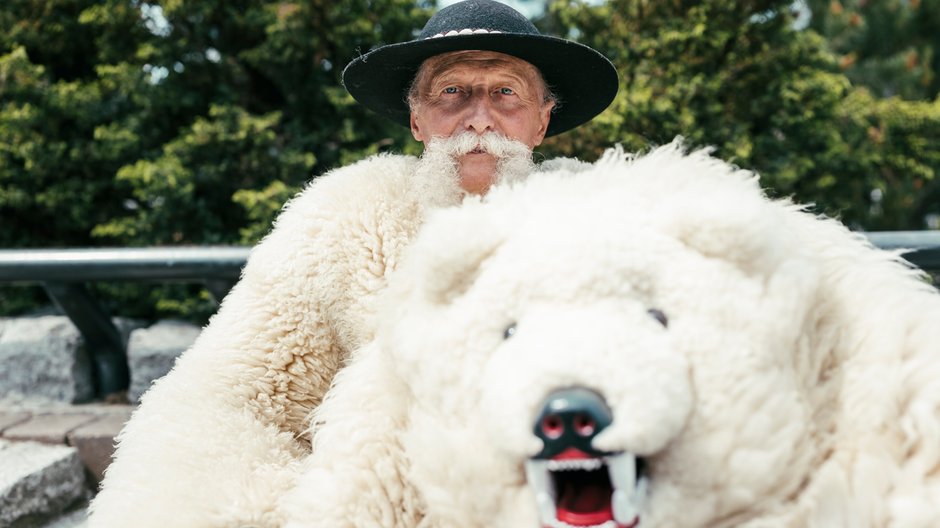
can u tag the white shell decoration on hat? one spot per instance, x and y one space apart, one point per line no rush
454 32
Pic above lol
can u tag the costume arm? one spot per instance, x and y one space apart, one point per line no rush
356 476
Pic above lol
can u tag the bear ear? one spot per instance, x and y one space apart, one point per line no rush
745 232
451 248
719 210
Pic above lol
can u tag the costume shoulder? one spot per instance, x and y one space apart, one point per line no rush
335 242
368 180
342 196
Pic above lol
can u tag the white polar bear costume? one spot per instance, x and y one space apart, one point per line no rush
749 364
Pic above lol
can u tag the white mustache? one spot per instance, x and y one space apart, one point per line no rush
439 165
496 145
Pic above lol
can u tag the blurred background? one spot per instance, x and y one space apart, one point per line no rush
191 122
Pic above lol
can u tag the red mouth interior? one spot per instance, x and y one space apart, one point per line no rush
583 496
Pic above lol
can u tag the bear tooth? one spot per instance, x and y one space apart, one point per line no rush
622 471
569 465
546 507
537 474
626 506
625 510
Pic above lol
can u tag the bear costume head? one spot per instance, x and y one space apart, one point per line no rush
642 342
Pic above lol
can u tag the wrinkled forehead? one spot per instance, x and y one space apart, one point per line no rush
475 60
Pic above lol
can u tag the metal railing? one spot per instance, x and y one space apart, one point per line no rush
64 272
921 248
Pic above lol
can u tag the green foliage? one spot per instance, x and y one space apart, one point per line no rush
125 124
262 207
737 76
890 46
196 176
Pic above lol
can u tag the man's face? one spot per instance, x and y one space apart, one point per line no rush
480 92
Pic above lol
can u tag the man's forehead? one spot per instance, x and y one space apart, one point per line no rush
473 59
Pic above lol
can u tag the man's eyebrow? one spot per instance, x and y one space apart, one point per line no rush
449 77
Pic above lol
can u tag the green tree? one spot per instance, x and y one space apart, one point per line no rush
736 75
890 46
58 93
188 122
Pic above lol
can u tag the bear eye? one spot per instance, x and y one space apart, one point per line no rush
509 331
659 316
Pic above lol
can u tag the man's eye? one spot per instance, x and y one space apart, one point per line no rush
450 90
506 91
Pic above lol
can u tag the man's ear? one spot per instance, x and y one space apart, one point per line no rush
416 132
545 115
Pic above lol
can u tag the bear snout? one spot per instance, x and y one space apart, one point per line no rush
569 420
574 483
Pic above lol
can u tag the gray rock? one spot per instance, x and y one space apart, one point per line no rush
76 517
151 352
45 357
38 482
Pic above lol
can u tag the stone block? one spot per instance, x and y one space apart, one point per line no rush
95 442
152 351
47 428
10 418
76 517
45 357
38 482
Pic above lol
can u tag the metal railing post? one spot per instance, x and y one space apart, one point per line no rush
103 342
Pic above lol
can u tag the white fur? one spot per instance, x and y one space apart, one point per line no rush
217 441
797 383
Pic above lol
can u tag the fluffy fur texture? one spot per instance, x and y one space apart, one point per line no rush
797 382
217 441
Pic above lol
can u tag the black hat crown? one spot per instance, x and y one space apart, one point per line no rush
476 15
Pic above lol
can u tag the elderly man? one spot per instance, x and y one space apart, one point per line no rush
483 68
218 441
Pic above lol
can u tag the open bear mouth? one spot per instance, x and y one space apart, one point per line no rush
577 490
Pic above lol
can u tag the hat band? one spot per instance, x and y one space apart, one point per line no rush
455 32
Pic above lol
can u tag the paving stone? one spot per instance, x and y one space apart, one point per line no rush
38 482
8 419
95 442
152 351
47 428
44 356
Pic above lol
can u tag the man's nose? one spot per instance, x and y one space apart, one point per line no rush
480 118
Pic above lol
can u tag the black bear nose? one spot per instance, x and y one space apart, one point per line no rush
570 419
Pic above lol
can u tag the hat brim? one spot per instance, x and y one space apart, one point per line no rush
584 80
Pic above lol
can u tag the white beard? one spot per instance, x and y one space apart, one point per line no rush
437 172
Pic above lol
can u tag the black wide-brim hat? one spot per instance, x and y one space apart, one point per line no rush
584 80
